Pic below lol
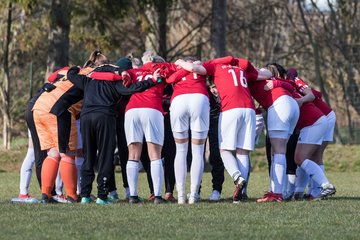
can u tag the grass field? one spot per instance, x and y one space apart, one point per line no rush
336 218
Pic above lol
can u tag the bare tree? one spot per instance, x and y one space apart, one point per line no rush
5 88
218 28
58 53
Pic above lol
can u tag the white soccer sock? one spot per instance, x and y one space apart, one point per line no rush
315 188
230 164
301 180
314 171
157 174
279 172
26 171
180 167
78 162
290 188
271 176
197 167
58 184
132 172
244 165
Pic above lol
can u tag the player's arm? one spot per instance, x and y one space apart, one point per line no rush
78 80
271 84
191 67
308 96
264 74
138 86
177 76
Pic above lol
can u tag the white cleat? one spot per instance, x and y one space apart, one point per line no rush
215 196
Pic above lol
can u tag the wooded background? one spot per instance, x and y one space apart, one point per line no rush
39 36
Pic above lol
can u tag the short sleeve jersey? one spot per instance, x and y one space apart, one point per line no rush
266 98
232 83
191 83
152 97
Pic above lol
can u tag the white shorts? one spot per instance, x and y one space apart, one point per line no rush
148 122
282 117
190 111
237 129
331 119
80 143
315 133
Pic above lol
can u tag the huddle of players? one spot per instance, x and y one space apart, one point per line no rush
96 91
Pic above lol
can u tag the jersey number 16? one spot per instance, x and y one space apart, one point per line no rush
243 81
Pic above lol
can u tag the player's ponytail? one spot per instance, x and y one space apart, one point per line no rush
96 59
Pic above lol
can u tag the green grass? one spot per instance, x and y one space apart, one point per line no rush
336 218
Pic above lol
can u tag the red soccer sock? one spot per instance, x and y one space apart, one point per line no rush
68 174
49 171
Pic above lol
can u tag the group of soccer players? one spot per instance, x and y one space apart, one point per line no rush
82 115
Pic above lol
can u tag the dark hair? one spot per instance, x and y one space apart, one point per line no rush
96 59
280 69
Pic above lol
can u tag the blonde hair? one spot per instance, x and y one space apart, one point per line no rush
148 56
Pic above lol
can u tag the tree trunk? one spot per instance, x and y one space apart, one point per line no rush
316 54
58 53
5 88
161 10
218 28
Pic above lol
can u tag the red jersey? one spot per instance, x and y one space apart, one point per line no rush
301 86
152 97
232 83
267 98
309 113
190 83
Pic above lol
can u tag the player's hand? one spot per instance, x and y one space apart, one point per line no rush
156 76
269 85
126 78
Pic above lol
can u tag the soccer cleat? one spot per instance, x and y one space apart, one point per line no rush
194 198
70 200
326 191
102 202
181 200
215 196
197 196
134 200
46 200
24 198
114 198
288 196
86 200
309 197
158 200
151 197
169 197
245 197
239 185
299 196
60 198
271 197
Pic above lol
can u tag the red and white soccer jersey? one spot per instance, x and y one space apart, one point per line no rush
301 86
324 108
150 98
309 113
232 83
267 98
191 83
